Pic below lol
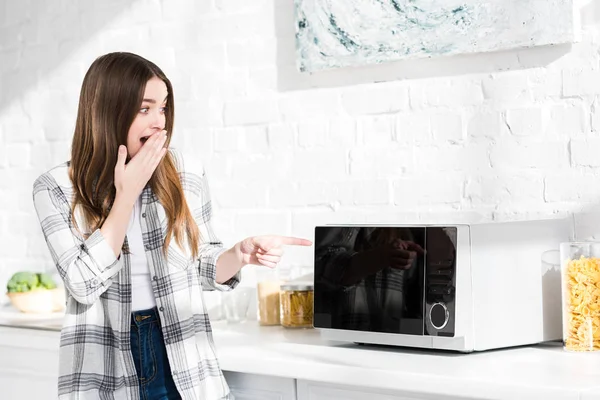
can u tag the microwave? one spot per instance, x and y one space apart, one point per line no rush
462 287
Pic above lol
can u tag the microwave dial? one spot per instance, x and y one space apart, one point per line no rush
438 315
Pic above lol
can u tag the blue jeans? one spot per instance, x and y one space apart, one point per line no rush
150 357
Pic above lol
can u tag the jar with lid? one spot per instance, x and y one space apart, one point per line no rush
296 300
267 291
580 270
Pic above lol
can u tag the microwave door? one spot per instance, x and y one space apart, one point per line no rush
368 293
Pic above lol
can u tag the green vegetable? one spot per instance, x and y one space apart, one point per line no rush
46 281
25 281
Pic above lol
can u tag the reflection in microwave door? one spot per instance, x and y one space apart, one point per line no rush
451 233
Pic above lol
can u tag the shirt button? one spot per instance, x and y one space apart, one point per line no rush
94 282
144 215
147 247
168 341
155 277
162 309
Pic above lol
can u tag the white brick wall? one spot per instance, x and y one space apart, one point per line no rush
508 135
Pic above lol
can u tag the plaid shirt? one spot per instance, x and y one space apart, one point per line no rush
95 352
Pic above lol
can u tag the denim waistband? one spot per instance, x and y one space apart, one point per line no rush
143 317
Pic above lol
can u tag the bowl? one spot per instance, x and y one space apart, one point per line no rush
40 301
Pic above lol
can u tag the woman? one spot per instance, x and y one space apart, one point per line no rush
128 225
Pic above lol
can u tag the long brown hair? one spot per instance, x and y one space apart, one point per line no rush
111 96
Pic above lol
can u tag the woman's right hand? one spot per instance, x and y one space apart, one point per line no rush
131 179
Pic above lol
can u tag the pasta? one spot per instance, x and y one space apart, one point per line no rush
582 304
297 308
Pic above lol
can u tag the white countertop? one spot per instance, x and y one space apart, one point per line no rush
11 317
534 372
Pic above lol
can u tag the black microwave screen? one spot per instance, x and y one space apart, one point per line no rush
386 279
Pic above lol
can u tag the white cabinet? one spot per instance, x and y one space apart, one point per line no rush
309 390
592 394
28 364
260 387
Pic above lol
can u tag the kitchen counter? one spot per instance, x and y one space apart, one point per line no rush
11 317
535 372
543 371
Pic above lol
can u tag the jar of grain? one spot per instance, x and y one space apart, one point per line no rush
267 291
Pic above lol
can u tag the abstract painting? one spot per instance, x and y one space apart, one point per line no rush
337 33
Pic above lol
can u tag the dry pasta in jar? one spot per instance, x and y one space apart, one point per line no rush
581 309
296 301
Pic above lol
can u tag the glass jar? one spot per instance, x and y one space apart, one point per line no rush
236 303
580 269
297 305
267 292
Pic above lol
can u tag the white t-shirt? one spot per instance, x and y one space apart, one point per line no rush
142 296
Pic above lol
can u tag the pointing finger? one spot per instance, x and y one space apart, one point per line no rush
294 241
415 247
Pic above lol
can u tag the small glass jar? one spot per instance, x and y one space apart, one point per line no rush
297 305
580 270
267 292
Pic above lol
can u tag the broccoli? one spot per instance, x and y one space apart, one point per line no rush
46 281
26 281
22 282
